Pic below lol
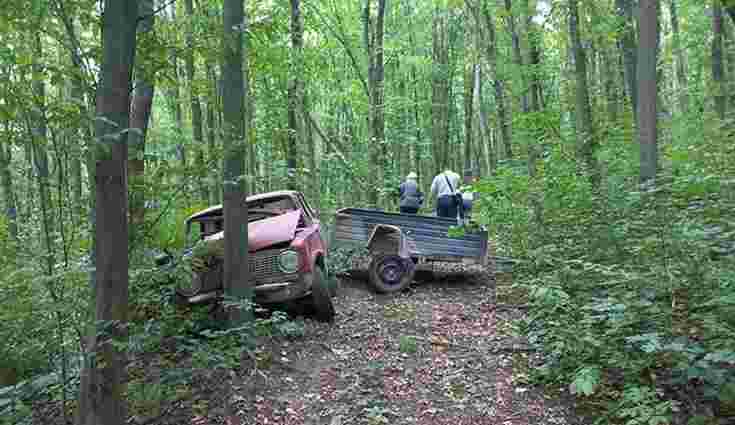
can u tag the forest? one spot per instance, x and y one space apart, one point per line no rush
600 132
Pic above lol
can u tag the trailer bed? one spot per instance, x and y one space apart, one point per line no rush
428 234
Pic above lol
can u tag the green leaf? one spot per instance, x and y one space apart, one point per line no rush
586 381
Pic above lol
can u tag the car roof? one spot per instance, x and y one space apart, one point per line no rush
257 197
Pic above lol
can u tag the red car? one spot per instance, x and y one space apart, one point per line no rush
287 254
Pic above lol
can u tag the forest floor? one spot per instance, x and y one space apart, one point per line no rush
442 352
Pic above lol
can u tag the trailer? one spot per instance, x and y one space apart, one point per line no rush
399 244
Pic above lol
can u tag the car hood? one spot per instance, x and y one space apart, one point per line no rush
269 231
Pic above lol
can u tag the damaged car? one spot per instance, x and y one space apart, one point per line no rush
287 255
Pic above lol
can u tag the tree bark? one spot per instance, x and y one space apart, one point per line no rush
40 156
174 103
373 33
139 119
103 378
212 104
194 102
517 55
6 175
498 89
295 101
628 50
647 89
440 89
681 73
235 95
586 143
469 89
718 70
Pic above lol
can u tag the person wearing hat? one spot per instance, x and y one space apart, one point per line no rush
411 197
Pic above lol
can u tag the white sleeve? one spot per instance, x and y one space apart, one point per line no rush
433 187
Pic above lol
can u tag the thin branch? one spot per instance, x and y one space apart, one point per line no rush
346 46
156 11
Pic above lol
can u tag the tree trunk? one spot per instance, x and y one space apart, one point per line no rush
196 106
647 88
212 104
40 157
373 33
492 57
174 101
586 143
295 101
469 87
517 55
6 176
440 89
728 32
718 70
235 95
681 73
139 119
628 50
103 378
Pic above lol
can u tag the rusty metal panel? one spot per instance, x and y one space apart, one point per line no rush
427 234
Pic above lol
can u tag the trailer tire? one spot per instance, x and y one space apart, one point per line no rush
390 273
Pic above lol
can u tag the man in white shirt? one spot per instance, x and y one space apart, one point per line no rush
444 188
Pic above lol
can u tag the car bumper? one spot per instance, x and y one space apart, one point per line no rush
269 293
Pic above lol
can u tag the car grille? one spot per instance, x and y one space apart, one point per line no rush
264 268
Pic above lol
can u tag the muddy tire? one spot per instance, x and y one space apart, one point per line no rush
390 273
321 301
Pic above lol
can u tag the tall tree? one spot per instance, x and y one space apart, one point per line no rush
440 90
103 379
718 69
681 73
139 119
39 140
628 50
196 106
586 142
469 86
648 88
491 51
295 94
235 95
6 181
517 55
373 33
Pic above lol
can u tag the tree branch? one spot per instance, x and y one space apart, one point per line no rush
346 46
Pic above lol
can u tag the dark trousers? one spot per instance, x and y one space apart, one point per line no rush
446 206
409 210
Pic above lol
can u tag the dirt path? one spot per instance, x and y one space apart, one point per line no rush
439 353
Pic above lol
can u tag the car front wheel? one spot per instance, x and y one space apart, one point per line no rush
321 300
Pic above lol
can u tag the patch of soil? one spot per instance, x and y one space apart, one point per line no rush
440 352
437 353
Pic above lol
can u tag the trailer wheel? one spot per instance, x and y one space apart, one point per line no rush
390 273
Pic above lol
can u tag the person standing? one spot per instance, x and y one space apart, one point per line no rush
468 197
411 197
444 189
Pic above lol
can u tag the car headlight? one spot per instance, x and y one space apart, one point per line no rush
288 261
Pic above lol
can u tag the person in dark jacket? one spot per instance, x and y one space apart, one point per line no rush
411 197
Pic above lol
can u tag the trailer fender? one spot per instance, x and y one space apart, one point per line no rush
389 240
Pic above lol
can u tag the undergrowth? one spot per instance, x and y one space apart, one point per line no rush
632 288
